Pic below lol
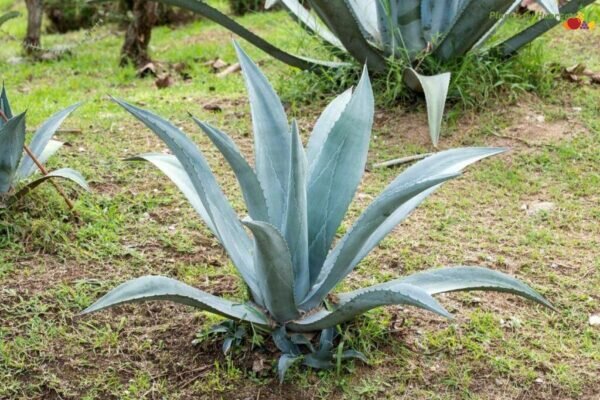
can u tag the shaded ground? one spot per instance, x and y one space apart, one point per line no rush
498 347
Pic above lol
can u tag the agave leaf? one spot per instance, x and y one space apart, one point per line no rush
326 340
12 140
323 357
384 25
349 32
353 304
463 278
427 18
471 24
336 172
498 24
283 343
295 226
353 354
216 329
325 63
551 7
285 362
152 288
436 90
4 106
8 16
365 12
516 42
64 173
319 361
272 139
300 339
251 188
239 333
200 7
308 21
41 138
437 16
51 148
447 162
169 165
227 343
226 223
275 273
405 18
344 257
325 124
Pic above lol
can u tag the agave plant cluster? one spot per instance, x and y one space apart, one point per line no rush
15 167
296 197
379 32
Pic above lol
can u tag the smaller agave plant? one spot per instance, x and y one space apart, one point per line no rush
297 198
15 167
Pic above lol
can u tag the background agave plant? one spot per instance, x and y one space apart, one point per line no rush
16 167
8 16
380 31
296 198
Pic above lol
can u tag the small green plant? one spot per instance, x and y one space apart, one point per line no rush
233 334
296 199
15 167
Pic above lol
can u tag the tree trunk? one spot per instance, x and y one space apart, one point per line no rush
35 11
139 32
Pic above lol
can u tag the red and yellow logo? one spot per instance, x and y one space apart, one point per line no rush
579 22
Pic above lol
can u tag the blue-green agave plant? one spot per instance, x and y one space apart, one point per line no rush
15 167
296 198
380 31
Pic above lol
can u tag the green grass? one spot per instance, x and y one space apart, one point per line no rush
52 265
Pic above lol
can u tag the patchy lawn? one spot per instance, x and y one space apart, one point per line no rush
54 264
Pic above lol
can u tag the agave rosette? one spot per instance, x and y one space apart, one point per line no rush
296 199
15 167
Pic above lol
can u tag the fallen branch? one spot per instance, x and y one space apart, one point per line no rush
400 161
59 131
518 139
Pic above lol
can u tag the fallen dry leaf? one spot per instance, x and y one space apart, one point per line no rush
258 365
164 81
579 73
213 107
576 69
